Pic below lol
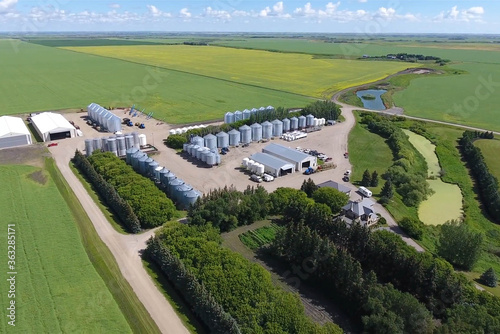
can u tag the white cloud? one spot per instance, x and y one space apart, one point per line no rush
362 1
307 10
184 12
278 10
220 14
114 6
7 5
473 14
153 10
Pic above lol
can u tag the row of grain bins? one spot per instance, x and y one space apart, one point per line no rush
118 145
237 116
104 118
179 131
205 149
176 189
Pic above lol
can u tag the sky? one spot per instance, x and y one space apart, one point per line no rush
346 16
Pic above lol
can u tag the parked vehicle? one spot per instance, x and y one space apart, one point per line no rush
256 178
347 173
52 144
365 192
267 178
309 171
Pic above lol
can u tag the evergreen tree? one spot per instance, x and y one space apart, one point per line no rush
309 187
387 190
367 179
489 278
374 180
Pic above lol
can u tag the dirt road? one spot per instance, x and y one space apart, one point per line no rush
125 249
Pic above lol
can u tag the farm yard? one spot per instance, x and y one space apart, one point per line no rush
57 288
490 150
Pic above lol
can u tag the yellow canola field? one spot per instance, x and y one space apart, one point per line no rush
290 72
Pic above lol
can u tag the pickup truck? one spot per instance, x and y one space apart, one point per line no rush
256 178
267 178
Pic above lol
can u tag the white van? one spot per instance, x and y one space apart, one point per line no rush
365 192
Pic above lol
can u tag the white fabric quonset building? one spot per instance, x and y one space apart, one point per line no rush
13 132
51 126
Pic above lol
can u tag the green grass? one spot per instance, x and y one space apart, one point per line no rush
254 239
60 42
368 151
490 150
57 287
37 78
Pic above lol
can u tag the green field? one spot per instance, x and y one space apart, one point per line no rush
295 73
37 78
57 288
491 152
60 42
254 239
428 151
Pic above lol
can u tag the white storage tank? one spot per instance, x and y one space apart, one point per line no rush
199 152
217 159
316 122
129 141
194 149
254 167
244 163
286 125
309 120
222 139
137 143
302 122
172 132
229 118
245 134
178 131
256 131
277 128
89 147
112 146
197 140
122 148
250 164
260 169
234 137
142 140
211 160
267 130
294 123
238 116
246 114
210 141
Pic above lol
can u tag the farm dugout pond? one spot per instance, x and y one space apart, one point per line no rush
446 202
374 100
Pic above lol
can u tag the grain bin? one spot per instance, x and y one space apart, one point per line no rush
129 141
137 143
171 132
260 169
270 108
97 144
246 114
210 141
302 122
142 140
180 191
250 164
267 130
193 150
254 111
244 163
229 118
130 152
122 148
141 164
286 125
197 140
204 154
277 128
294 123
222 139
199 152
217 158
152 168
211 160
256 131
309 120
104 144
234 137
89 147
167 178
238 116
185 147
134 159
262 110
162 175
191 197
112 147
245 134
172 184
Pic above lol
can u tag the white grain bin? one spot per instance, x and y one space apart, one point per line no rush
112 146
190 128
256 131
211 160
178 131
323 121
89 147
267 130
254 111
210 141
122 148
129 141
185 147
277 128
142 140
234 137
260 169
270 108
104 144
197 140
254 167
294 123
244 163
238 116
204 154
245 134
191 197
151 168
199 152
218 158
229 118
286 125
246 114
156 174
302 122
172 132
129 154
309 120
262 110
222 139
172 185
194 149
250 164
137 143
315 122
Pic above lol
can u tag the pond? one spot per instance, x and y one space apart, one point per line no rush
446 202
371 98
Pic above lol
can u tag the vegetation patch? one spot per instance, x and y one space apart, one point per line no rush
38 176
443 205
490 150
257 238
59 42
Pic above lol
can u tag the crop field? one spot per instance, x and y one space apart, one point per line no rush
37 78
57 288
490 150
295 73
254 239
56 42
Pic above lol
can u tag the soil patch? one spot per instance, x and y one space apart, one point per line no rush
38 177
32 155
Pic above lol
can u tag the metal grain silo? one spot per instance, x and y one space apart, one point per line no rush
267 130
142 140
129 141
89 146
302 122
238 116
254 111
246 114
96 143
152 168
134 159
199 152
193 150
309 120
162 174
197 140
189 148
122 148
294 123
158 171
172 185
286 125
277 128
141 164
211 160
256 131
130 152
166 179
210 141
191 197
217 158
204 154
222 139
270 108
262 110
104 144
112 146
180 191
245 134
234 137
229 118
137 143
185 147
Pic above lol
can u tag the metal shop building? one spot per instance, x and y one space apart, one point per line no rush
13 132
272 165
299 159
